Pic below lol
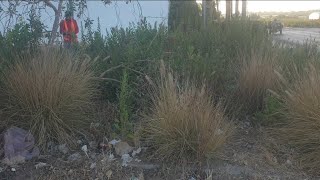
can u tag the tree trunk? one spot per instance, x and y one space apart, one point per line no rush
244 9
57 13
237 8
228 10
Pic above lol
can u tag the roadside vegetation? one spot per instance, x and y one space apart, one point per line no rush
179 92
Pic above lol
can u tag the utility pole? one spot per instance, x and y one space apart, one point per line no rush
228 10
237 8
204 13
244 9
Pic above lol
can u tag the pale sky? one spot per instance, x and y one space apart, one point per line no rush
273 5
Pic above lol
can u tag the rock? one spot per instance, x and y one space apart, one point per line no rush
122 148
40 165
126 159
75 157
13 169
289 162
93 145
109 174
63 148
134 153
14 160
93 165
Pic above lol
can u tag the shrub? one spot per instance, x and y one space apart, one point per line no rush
49 95
255 78
184 123
301 127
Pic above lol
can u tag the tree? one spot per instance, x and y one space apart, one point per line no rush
185 14
9 10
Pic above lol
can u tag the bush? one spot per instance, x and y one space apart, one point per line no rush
184 123
301 127
255 78
49 95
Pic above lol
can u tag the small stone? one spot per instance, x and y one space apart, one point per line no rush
93 165
122 148
134 153
141 176
109 174
13 169
289 162
75 157
40 165
93 145
1 169
63 148
218 132
79 142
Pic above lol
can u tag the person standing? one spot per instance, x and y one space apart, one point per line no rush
69 29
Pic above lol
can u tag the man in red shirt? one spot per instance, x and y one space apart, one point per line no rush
69 29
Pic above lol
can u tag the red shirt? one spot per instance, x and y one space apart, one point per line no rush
68 27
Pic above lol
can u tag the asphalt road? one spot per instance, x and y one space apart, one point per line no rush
299 35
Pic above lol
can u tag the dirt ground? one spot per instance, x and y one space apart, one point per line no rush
247 156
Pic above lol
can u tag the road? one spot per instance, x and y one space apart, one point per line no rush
299 35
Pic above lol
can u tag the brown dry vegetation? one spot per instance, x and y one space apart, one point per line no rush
184 123
256 76
49 95
300 129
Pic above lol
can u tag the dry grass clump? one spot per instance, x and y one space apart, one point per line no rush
184 123
301 129
49 95
256 76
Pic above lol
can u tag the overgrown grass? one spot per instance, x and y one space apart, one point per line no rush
256 76
184 123
50 95
300 128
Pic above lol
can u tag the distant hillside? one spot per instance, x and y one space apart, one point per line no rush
300 14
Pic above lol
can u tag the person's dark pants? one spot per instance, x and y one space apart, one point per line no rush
67 45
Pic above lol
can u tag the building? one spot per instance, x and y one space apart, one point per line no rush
314 16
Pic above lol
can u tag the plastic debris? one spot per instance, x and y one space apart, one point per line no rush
114 142
85 150
126 159
19 145
13 169
134 153
40 165
111 157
